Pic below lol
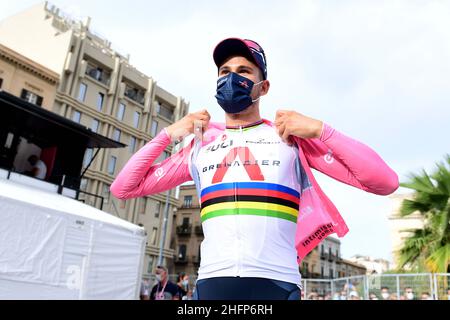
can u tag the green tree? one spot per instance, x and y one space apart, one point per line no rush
428 249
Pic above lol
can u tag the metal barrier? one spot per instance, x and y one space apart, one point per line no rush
420 286
367 287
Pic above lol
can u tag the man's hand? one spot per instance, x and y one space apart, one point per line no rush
293 123
185 126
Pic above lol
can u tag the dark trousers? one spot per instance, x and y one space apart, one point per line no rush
236 288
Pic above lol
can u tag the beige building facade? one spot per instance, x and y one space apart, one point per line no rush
323 262
89 82
25 78
187 232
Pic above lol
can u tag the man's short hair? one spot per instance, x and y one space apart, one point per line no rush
162 268
33 159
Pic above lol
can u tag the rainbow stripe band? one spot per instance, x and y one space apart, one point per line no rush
250 198
250 185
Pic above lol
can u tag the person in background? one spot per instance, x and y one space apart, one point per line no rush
385 293
425 296
183 284
354 295
164 289
189 295
409 294
145 290
39 169
373 296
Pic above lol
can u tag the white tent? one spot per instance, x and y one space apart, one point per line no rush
54 247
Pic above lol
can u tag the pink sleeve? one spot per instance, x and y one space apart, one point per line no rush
349 161
141 177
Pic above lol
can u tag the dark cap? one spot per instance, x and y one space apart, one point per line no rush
241 47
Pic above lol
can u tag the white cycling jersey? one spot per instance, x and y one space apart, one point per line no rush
249 182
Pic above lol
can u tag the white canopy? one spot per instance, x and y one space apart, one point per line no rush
54 247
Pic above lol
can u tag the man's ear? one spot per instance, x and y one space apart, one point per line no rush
265 87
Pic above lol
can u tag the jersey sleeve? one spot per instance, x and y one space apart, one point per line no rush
140 176
349 161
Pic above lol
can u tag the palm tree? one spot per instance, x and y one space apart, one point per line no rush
428 249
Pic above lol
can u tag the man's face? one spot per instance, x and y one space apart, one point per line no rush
162 273
241 66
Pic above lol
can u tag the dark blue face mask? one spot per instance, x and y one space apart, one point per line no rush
234 92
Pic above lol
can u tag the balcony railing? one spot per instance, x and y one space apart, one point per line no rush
184 230
164 111
180 259
98 74
199 230
135 94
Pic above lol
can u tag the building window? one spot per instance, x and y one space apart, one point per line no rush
112 165
106 193
157 209
142 205
154 128
150 264
87 157
116 135
135 94
95 125
82 92
31 97
132 144
121 111
164 111
321 272
187 201
185 222
76 116
331 273
182 252
83 184
100 99
305 268
136 119
153 238
98 73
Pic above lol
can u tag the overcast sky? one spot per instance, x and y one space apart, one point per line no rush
375 70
